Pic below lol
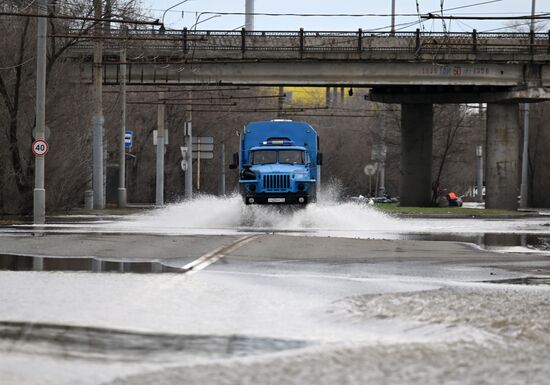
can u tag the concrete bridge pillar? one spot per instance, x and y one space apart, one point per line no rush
503 127
416 154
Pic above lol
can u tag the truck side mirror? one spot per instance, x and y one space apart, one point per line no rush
235 163
319 159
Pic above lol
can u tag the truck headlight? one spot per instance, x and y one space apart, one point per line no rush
252 187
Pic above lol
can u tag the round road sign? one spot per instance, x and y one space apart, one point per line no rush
40 147
370 169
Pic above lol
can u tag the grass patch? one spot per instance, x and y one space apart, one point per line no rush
394 208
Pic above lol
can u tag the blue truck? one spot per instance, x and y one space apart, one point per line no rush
279 163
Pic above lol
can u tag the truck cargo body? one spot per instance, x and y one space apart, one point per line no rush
278 163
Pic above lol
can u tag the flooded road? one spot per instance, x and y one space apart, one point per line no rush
331 294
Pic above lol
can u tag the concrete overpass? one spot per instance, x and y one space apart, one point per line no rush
411 68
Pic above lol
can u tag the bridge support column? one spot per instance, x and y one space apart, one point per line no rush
502 156
416 154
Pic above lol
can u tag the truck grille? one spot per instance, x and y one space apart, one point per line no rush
274 182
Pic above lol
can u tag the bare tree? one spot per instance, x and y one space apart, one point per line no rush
17 86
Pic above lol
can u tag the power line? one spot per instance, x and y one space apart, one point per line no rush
542 16
512 26
81 18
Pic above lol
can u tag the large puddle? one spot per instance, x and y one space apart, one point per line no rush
97 265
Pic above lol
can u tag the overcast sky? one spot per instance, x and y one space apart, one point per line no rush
185 15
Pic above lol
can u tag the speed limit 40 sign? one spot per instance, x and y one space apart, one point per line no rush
40 147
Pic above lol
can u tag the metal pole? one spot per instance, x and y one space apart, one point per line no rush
381 187
393 17
524 189
159 201
121 146
249 17
222 170
189 154
370 186
479 173
381 191
39 194
280 101
189 161
376 179
198 164
533 6
318 181
97 153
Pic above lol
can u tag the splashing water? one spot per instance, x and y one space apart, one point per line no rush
231 214
330 216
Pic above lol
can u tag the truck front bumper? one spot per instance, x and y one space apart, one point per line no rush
300 198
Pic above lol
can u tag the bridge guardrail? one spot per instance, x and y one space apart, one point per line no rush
315 42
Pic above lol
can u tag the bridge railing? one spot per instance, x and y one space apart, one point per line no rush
311 42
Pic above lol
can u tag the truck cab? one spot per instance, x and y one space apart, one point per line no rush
278 163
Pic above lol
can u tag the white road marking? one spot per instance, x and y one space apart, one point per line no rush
217 254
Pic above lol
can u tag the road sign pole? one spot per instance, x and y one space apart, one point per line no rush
39 194
370 185
122 197
160 151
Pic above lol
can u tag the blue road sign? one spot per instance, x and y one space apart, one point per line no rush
128 135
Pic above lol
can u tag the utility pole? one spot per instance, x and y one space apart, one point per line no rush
159 201
524 188
249 15
122 197
189 153
98 120
392 17
280 101
39 196
533 6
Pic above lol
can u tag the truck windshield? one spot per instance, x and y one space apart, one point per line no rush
264 157
291 156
